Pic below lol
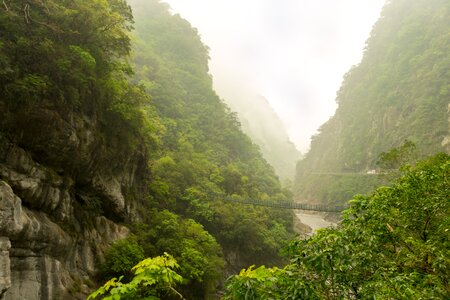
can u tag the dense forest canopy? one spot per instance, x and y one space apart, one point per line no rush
399 91
200 154
110 130
203 153
139 85
392 244
66 52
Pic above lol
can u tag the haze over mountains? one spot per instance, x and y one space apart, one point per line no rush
115 147
293 52
263 125
115 150
400 91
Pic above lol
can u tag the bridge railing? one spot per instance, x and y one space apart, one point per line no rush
287 205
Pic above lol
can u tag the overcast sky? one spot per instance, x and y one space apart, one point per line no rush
293 52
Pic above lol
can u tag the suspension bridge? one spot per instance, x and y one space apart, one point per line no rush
287 205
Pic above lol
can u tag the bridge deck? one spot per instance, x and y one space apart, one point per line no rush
288 205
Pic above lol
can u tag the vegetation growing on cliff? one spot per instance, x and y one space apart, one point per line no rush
393 244
68 55
202 154
266 129
399 91
66 75
66 64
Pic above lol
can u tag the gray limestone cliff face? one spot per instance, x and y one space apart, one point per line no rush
61 203
5 265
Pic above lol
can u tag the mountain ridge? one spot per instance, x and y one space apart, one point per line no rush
400 91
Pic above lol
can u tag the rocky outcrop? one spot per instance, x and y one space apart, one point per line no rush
46 261
300 228
5 268
62 197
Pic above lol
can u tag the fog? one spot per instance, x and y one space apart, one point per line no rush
292 52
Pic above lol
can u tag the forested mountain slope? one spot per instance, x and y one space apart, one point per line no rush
264 126
391 244
203 152
97 145
400 91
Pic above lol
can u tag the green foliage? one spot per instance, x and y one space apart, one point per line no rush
335 188
68 59
253 284
154 278
121 257
398 92
397 157
244 229
203 153
74 45
267 131
393 244
86 58
197 252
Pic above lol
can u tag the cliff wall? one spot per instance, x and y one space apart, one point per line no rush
63 198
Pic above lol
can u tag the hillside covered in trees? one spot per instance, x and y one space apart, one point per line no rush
400 91
116 157
109 133
391 244
265 128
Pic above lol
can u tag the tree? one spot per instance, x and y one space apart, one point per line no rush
397 157
154 278
47 39
393 244
399 91
197 252
121 257
203 153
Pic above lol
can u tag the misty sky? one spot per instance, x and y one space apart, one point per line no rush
293 52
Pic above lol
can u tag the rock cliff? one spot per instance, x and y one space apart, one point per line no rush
63 195
399 92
